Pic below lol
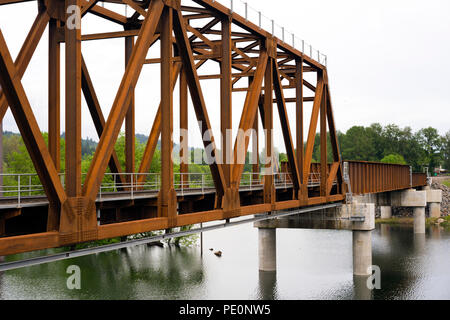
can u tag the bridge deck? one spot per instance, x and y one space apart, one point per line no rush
42 201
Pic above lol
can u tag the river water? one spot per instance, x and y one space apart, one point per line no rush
312 264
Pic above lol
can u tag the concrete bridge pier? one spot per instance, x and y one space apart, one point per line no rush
362 253
360 289
434 199
419 220
386 212
413 199
362 217
267 247
356 217
383 203
267 285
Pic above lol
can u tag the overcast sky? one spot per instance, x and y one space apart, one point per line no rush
388 62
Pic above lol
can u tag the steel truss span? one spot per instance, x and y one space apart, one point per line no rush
189 33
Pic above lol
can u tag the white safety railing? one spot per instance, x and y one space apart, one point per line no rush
285 180
251 180
184 182
16 187
258 18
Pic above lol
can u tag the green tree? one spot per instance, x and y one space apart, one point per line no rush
394 159
358 144
446 150
432 145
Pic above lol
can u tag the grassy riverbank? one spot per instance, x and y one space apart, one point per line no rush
410 221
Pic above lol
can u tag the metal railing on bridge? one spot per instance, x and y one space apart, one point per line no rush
19 187
266 23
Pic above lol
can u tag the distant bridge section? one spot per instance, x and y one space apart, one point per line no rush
375 177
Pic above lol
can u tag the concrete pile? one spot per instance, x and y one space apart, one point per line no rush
445 204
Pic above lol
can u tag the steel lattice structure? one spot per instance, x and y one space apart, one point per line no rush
272 67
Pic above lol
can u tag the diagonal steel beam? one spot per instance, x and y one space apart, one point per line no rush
88 6
108 15
122 101
312 129
97 115
285 126
155 132
26 52
333 135
186 54
29 129
248 117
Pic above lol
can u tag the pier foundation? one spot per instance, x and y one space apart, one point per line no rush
267 247
362 253
419 220
413 199
434 199
386 212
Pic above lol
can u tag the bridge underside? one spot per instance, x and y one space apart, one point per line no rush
190 34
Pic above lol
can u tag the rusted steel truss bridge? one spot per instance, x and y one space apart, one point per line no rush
74 207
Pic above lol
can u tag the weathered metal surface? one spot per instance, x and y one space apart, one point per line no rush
272 72
373 177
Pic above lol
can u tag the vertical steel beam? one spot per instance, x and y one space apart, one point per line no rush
226 119
1 160
299 123
255 167
54 104
323 147
255 143
269 190
73 103
167 196
184 126
130 116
